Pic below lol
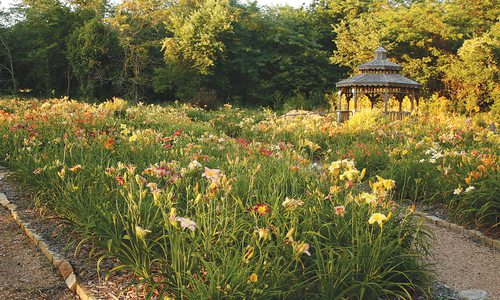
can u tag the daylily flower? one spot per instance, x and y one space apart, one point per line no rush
264 233
382 185
253 277
152 185
109 144
76 168
349 175
340 210
140 180
62 172
248 254
214 175
141 233
261 208
458 191
289 234
379 218
172 217
194 165
301 247
470 188
120 180
265 152
368 198
187 223
292 204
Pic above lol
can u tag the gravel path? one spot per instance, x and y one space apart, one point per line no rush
25 273
464 264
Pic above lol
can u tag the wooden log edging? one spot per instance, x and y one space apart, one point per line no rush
59 262
471 233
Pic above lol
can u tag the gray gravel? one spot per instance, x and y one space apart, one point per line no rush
464 264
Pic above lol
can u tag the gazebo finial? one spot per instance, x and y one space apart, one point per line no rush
380 53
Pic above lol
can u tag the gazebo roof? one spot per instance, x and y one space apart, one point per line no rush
374 79
380 72
380 62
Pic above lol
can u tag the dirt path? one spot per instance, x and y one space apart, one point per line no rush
464 264
25 273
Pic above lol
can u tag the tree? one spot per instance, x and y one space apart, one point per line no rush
6 60
141 29
473 75
37 35
197 27
93 54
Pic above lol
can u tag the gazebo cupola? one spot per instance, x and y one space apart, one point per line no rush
379 78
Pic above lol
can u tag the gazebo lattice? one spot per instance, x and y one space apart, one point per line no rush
379 78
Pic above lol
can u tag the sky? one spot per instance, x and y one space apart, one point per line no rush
294 3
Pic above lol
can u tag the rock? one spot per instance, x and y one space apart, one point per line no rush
71 281
65 269
473 295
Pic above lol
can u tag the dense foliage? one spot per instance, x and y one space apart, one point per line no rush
212 52
195 213
244 203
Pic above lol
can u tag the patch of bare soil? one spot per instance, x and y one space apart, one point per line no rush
464 264
25 272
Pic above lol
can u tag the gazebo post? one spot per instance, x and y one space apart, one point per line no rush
412 99
386 99
339 106
339 101
355 99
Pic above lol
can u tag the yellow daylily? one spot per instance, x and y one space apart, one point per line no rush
378 218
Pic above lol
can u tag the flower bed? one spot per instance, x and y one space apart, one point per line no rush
229 203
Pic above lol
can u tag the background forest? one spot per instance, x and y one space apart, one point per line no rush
228 51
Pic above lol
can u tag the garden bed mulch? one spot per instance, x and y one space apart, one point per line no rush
61 240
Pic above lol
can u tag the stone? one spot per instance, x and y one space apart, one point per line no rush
65 269
496 244
45 250
475 234
29 233
71 281
486 240
442 223
3 199
57 261
83 293
456 228
434 219
11 206
472 295
36 238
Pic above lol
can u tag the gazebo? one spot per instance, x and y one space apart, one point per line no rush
379 78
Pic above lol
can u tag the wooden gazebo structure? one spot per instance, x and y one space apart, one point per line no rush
379 78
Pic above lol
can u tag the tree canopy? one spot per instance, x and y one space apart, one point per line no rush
237 51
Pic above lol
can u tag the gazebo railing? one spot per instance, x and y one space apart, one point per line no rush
397 115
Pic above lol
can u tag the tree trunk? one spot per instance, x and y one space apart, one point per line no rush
11 68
